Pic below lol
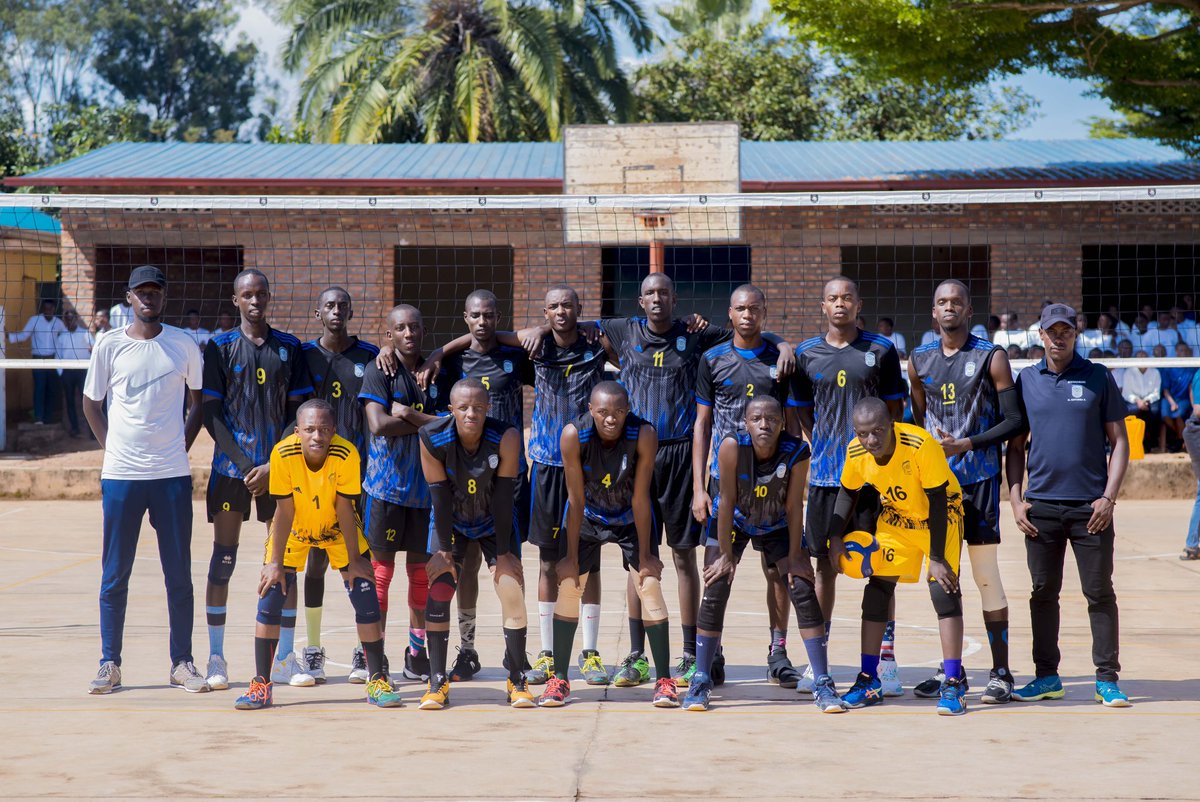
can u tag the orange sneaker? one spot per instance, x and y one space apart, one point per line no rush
666 693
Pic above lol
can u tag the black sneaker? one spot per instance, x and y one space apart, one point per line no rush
416 666
999 689
780 670
717 672
466 665
932 687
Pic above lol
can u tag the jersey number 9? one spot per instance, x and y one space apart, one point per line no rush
261 375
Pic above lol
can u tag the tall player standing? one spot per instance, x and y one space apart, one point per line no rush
963 393
337 362
254 381
833 372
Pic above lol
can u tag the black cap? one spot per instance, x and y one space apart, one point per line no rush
146 274
1057 313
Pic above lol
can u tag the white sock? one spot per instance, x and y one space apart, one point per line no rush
546 625
591 626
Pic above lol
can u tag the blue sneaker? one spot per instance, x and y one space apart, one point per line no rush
699 690
1041 688
952 700
256 697
866 691
1109 695
825 696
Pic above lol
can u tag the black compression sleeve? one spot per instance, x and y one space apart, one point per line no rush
502 512
1011 425
443 512
937 523
214 421
842 508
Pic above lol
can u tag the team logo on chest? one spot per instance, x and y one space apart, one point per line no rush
969 369
780 470
774 373
869 358
508 366
493 461
359 370
1077 391
282 354
432 391
624 461
680 343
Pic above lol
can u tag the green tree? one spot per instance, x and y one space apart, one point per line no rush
459 70
777 89
722 18
1143 56
170 56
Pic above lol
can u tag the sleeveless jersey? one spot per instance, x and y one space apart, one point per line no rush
961 400
762 486
608 471
473 476
563 383
337 378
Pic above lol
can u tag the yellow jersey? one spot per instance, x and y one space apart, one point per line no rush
919 464
315 492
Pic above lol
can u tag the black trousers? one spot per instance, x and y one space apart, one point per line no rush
72 387
1060 524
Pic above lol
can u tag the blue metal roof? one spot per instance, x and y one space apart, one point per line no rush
28 220
540 164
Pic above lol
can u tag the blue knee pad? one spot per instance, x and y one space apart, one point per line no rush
364 600
220 567
270 607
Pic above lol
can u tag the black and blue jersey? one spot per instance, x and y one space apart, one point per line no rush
394 463
608 471
473 475
832 380
762 485
337 378
659 370
563 383
254 384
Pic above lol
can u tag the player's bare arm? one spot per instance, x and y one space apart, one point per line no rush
701 441
573 469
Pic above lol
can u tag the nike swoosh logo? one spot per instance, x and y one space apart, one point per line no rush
138 389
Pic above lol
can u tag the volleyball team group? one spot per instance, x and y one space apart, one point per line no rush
710 440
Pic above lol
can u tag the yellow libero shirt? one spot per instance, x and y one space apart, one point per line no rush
315 492
918 464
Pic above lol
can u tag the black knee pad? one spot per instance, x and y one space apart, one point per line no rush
270 606
804 598
365 601
712 605
437 603
220 567
946 605
877 596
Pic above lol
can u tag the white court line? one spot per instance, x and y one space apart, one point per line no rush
13 512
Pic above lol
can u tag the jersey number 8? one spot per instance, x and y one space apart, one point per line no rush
472 486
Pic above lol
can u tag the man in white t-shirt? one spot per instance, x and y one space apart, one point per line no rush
74 343
41 329
145 369
120 315
193 329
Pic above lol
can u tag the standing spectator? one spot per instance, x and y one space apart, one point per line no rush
1087 340
1142 388
74 343
887 327
225 322
120 314
1141 328
42 329
145 370
100 325
1176 407
1074 412
1010 332
192 328
1189 332
1120 327
1191 437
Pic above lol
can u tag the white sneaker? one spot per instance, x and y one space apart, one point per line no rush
314 663
217 675
107 678
288 671
889 678
184 675
807 682
358 667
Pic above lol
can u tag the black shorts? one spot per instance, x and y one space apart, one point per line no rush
548 506
390 528
521 506
593 535
774 545
672 493
819 516
981 512
487 544
226 494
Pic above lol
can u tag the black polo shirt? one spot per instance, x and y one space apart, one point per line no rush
1066 413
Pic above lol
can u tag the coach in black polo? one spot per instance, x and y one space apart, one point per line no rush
1073 411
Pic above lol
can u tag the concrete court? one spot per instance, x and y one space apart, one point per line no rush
758 742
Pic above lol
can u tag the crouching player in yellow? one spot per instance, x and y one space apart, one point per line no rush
763 473
314 480
921 517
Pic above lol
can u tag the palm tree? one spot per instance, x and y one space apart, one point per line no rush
459 70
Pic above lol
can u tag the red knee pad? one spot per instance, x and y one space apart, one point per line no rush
418 585
384 571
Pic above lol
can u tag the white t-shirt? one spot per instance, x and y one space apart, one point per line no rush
120 315
144 381
200 335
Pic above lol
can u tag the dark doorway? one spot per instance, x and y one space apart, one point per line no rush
1132 276
198 278
898 282
704 277
437 280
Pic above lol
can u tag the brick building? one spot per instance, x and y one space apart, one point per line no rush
1093 253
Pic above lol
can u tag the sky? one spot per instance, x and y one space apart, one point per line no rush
1063 113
